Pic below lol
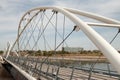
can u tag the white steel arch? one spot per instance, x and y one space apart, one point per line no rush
111 54
94 16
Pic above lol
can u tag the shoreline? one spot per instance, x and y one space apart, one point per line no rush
74 58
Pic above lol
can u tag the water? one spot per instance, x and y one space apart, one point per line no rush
104 68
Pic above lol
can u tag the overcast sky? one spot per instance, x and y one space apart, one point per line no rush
11 12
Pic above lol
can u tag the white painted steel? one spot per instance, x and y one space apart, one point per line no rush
103 24
94 16
111 54
27 76
1 59
8 50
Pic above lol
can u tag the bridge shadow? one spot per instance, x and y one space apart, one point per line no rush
4 74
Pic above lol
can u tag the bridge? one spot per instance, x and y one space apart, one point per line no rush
45 31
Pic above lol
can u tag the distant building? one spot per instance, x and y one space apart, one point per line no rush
72 49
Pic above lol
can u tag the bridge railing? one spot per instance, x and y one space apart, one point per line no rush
49 69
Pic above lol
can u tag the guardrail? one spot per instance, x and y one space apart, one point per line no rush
49 69
16 72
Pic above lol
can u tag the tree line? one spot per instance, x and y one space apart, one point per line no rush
1 52
51 53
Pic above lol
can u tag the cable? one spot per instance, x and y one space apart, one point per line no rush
111 43
40 34
92 66
115 36
60 43
66 37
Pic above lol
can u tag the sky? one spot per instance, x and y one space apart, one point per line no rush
11 12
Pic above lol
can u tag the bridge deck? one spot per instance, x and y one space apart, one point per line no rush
39 69
65 73
4 74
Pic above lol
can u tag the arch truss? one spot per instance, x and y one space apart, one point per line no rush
49 29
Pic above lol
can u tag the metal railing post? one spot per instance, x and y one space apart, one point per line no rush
72 73
56 76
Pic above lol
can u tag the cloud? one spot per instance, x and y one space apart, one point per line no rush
12 11
103 7
0 7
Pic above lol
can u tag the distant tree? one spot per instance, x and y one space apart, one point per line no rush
1 52
39 51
